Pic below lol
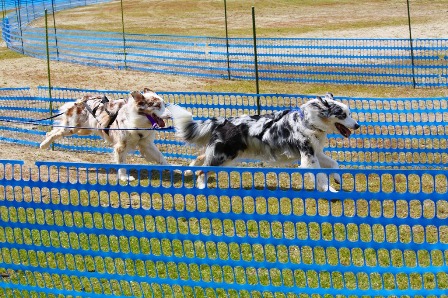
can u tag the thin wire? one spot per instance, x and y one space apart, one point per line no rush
81 127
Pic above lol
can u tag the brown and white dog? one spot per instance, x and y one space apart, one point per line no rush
126 124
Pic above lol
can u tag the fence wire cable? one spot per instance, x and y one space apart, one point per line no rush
169 128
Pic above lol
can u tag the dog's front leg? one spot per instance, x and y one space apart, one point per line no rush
54 135
309 161
329 163
151 153
120 153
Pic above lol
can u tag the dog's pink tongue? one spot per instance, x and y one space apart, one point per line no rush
343 130
160 122
156 121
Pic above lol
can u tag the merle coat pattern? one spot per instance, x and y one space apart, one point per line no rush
280 137
116 122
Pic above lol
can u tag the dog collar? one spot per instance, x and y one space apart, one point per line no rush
299 111
153 121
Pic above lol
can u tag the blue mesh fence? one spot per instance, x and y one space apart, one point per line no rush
395 132
307 60
73 230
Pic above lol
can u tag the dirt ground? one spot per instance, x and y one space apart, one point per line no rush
20 71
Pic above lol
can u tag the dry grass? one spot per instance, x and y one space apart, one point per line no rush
282 18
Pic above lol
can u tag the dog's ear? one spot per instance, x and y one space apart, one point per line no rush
137 95
147 90
324 101
329 96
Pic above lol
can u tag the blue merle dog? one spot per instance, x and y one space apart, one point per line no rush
279 137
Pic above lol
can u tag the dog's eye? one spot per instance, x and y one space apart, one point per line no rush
342 116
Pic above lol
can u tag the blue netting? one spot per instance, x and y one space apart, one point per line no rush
73 230
307 60
395 132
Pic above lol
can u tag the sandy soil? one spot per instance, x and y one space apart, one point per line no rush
32 72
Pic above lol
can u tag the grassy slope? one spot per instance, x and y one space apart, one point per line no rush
285 18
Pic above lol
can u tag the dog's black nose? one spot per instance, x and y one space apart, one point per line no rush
356 126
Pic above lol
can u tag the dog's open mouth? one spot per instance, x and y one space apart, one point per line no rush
155 121
343 130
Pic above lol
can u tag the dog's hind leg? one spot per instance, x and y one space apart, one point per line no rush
199 161
215 155
206 160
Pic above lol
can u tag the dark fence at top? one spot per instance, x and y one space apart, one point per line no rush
305 60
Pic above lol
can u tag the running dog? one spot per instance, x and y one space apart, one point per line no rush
124 123
279 137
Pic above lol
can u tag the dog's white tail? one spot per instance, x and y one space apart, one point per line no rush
187 129
179 114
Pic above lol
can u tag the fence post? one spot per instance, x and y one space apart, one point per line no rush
27 13
34 12
54 26
19 22
256 59
6 33
3 9
227 39
410 43
48 68
124 36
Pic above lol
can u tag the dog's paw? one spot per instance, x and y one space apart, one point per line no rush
127 178
200 183
44 145
337 178
332 189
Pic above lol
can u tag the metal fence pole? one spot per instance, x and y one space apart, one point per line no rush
3 9
48 67
19 21
27 14
256 59
124 36
34 12
54 26
227 39
410 43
